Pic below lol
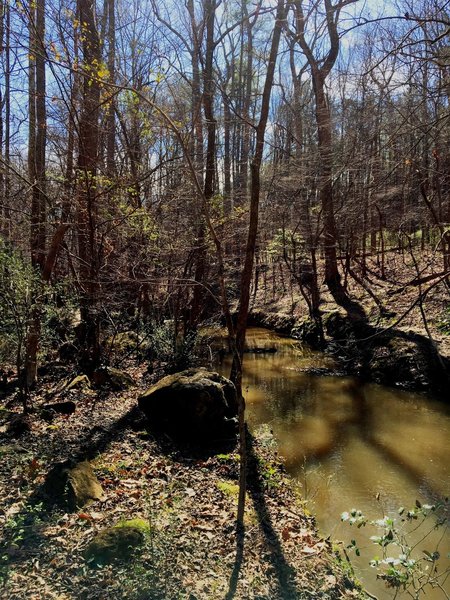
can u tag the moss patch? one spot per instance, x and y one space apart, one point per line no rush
117 544
140 524
229 489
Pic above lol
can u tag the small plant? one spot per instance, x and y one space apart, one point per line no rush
17 530
444 322
18 526
403 563
270 473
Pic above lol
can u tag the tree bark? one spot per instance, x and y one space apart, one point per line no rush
210 162
87 163
36 174
111 114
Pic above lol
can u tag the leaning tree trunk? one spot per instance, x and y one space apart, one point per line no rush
320 69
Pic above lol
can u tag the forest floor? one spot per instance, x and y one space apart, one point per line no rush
188 499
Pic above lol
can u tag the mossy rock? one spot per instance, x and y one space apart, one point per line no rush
142 524
80 382
72 485
112 378
125 341
117 544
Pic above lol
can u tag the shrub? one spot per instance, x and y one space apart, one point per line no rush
174 351
18 285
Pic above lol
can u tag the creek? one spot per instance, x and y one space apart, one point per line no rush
350 445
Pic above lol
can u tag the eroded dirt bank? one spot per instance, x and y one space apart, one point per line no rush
387 355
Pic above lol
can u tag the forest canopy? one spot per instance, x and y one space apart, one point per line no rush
151 154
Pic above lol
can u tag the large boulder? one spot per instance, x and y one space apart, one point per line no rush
194 405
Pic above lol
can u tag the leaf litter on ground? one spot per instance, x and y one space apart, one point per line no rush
188 501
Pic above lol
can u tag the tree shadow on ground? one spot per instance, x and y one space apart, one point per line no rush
185 450
40 509
94 442
24 530
284 572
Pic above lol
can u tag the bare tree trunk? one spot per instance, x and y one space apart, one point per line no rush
69 187
246 276
36 134
111 114
87 188
36 174
3 9
226 156
311 238
7 100
208 107
246 103
4 122
197 127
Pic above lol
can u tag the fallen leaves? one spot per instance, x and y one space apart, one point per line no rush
84 516
190 504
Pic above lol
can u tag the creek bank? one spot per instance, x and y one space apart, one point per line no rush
391 357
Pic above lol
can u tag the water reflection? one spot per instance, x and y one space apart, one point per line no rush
345 441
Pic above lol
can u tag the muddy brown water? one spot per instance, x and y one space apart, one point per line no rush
350 445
